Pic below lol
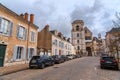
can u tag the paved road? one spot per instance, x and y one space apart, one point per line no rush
85 68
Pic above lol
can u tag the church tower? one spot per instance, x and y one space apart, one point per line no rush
78 36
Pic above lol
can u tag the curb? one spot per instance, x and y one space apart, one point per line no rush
12 69
9 72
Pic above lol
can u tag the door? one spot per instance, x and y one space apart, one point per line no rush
2 54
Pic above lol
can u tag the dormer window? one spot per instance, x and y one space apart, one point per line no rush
77 28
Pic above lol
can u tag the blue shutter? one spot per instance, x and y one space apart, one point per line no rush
11 28
17 33
26 34
0 21
24 53
35 51
15 53
28 53
0 24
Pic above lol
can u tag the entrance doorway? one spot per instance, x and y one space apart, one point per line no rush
88 49
2 54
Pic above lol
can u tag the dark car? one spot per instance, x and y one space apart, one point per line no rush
65 57
58 59
107 61
103 55
41 61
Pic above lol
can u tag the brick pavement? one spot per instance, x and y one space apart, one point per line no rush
13 68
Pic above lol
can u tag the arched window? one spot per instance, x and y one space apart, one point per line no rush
77 28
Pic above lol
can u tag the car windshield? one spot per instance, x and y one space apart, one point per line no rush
35 57
108 58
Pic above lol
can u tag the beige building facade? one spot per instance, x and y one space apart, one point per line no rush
112 40
53 43
18 37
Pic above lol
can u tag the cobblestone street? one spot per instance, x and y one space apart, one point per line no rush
85 68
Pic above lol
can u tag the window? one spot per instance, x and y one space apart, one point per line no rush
77 41
59 44
21 32
6 26
31 52
56 42
77 28
19 52
56 52
87 38
85 31
77 34
32 36
78 47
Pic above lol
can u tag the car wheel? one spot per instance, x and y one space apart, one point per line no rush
42 66
52 63
101 67
30 67
116 68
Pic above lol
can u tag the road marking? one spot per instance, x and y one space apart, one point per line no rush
95 68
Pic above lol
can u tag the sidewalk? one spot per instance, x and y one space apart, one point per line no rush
13 68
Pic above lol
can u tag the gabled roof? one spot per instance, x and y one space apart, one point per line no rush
87 29
115 30
15 14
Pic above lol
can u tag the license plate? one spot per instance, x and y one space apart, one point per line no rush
33 61
108 62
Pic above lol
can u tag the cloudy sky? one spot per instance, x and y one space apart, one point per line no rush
59 14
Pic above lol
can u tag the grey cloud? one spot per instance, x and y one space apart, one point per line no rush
87 13
93 15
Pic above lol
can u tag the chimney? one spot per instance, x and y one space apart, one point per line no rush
26 16
59 34
47 27
31 18
22 15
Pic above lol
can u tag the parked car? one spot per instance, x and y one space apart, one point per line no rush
58 58
107 61
103 55
70 57
65 57
41 61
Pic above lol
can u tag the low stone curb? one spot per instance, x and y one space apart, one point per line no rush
12 69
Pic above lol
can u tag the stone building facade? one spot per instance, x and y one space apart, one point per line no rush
98 45
81 38
112 40
53 43
18 37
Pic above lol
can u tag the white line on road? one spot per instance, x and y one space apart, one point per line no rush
95 68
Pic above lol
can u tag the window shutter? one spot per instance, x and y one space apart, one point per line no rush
28 53
17 33
0 21
11 29
35 51
15 53
26 34
24 53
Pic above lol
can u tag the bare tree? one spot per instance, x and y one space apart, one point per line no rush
116 23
